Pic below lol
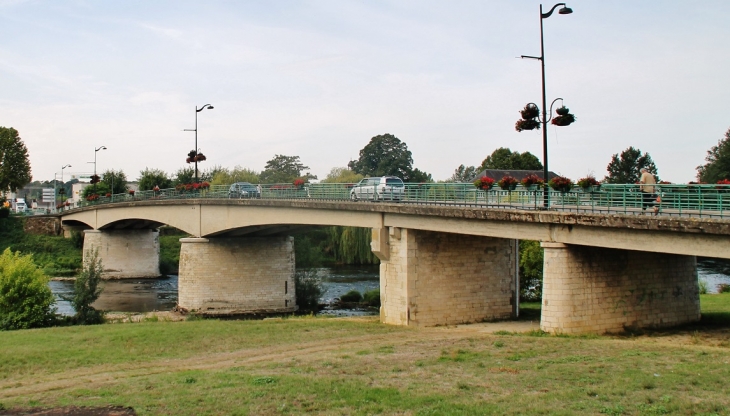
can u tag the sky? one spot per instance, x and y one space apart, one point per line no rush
318 79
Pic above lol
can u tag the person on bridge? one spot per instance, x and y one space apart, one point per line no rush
647 182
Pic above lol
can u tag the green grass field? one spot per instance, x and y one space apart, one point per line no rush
358 366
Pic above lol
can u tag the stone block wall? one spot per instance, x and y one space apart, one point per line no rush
237 275
592 289
433 278
125 253
42 225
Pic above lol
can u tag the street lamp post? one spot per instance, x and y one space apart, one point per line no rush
95 152
544 121
197 110
55 186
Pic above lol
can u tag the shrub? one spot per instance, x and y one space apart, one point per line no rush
351 296
77 239
87 291
25 299
702 286
372 297
723 288
308 289
4 212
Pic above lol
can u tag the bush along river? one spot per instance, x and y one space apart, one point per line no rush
146 295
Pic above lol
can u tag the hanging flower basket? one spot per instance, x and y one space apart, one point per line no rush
200 157
156 188
94 179
298 183
484 183
531 124
561 184
508 183
564 118
531 181
589 183
529 112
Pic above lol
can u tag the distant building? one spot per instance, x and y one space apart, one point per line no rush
498 174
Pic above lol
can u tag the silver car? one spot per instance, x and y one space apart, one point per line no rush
381 188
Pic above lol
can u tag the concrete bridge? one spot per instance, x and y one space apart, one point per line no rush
440 265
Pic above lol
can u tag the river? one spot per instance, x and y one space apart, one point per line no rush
146 295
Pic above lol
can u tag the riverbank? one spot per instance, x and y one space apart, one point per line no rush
358 366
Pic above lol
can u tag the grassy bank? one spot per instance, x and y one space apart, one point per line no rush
57 256
361 367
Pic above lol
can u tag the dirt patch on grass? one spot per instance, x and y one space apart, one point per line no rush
73 411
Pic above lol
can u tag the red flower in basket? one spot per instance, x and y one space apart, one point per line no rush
205 185
485 183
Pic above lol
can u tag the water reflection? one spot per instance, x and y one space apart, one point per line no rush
144 295
125 295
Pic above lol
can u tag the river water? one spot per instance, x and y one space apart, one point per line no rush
146 295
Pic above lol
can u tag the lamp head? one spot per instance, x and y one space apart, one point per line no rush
100 148
565 10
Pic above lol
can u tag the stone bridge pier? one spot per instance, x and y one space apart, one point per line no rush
432 278
593 289
125 253
243 275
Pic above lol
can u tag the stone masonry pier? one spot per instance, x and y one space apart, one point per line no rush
237 275
125 253
593 289
429 278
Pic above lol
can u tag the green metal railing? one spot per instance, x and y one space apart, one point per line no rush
675 200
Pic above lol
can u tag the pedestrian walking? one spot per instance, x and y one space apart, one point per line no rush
647 182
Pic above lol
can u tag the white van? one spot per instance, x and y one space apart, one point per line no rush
20 205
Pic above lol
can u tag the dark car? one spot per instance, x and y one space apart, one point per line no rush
244 190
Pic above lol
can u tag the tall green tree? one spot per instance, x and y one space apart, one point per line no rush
284 169
386 155
14 163
184 176
718 162
149 178
504 158
115 180
87 291
625 168
463 174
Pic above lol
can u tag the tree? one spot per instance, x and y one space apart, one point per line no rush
115 180
504 158
718 162
531 263
463 174
342 175
87 291
625 168
238 174
184 176
284 169
25 299
14 163
149 178
386 155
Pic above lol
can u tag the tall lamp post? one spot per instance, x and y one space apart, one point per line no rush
197 110
55 186
95 152
63 184
544 121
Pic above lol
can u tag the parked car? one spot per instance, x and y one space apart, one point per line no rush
244 190
387 188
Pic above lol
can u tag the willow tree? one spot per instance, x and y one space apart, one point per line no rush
351 245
